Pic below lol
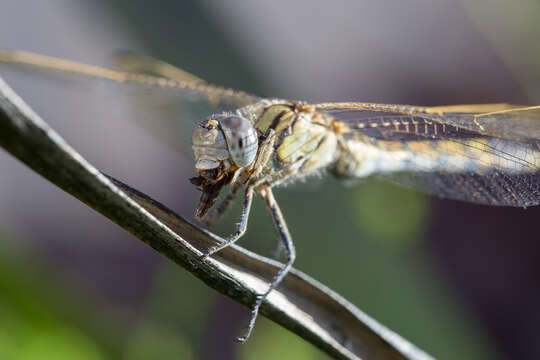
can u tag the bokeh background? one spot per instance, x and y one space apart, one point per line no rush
459 280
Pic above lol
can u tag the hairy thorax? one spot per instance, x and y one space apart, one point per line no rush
268 143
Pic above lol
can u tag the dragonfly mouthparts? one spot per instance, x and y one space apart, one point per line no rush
209 193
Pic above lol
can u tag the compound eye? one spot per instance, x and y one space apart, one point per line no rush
241 138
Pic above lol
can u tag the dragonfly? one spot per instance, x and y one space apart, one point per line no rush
482 153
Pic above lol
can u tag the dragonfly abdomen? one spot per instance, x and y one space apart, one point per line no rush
363 156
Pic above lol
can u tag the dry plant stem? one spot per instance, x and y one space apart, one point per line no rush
300 303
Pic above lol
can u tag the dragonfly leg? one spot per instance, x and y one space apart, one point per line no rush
216 214
242 225
261 160
266 150
285 237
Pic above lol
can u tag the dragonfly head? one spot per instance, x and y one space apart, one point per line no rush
222 144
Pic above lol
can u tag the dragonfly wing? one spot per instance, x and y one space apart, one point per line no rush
129 61
169 108
168 79
439 158
495 188
499 120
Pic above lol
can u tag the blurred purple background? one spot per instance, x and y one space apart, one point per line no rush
484 261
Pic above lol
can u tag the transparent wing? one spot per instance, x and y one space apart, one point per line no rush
174 101
502 120
497 188
147 73
499 120
129 61
488 165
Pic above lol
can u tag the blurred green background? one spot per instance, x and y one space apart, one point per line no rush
73 286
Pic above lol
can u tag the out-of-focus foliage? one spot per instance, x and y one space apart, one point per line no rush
274 343
366 242
389 213
33 314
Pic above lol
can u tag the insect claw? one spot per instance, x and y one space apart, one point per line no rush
241 339
205 255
